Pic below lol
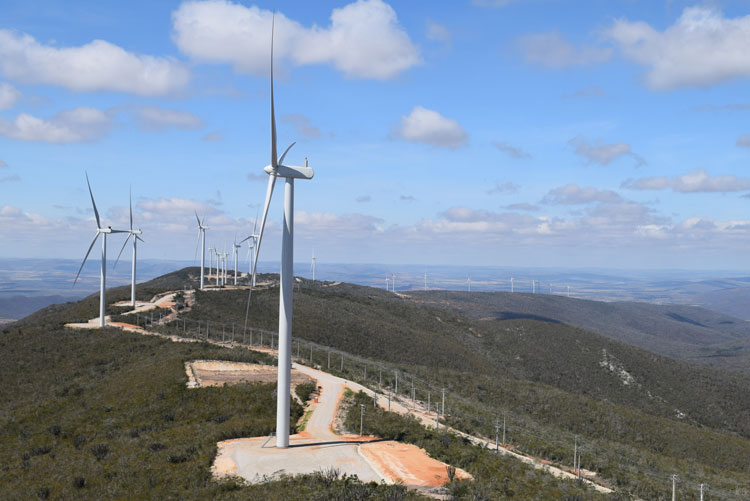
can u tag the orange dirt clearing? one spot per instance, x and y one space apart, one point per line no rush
407 464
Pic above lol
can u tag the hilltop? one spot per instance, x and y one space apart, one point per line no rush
641 415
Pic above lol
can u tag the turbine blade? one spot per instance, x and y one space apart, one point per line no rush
269 194
96 212
196 217
139 238
131 209
274 158
281 160
85 258
255 224
123 248
197 245
244 239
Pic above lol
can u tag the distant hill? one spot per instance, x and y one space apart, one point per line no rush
686 332
734 301
19 306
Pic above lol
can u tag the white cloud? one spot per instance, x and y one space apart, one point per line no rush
10 179
437 32
9 96
604 154
572 194
744 141
695 181
503 189
96 66
301 124
158 119
701 49
523 206
513 151
3 164
364 39
363 198
551 50
81 124
430 127
177 206
334 225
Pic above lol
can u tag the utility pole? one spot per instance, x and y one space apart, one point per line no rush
497 432
675 478
396 390
575 454
361 418
342 362
380 377
703 488
437 415
389 400
329 358
310 355
580 451
428 401
443 400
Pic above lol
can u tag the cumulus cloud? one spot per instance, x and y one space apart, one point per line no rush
335 225
604 154
81 124
503 189
695 181
301 124
177 206
523 206
153 118
513 151
407 198
364 39
437 32
551 50
9 96
96 66
10 179
744 141
572 194
700 49
430 127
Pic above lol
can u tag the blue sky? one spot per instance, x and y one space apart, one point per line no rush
491 132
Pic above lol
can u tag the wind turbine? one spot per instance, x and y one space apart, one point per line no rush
313 264
275 170
210 262
136 236
252 243
511 285
236 248
103 274
202 242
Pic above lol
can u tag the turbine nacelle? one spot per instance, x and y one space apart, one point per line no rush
292 171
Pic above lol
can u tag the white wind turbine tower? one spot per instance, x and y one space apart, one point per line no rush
210 262
236 248
202 242
103 274
312 266
511 285
136 236
275 170
218 257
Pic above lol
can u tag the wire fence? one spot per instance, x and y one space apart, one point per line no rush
448 408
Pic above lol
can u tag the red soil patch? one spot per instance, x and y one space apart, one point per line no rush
408 464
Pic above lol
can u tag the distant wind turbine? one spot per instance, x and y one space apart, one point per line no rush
103 273
313 264
210 261
236 249
275 170
202 242
136 234
252 244
511 284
